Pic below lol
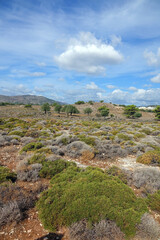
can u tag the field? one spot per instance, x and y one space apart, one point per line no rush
49 162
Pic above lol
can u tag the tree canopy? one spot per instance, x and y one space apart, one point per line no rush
131 111
157 111
46 107
70 109
104 111
88 111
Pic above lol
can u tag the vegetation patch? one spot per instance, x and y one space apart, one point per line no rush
116 171
139 135
6 175
50 169
32 146
37 158
151 157
153 201
92 195
18 133
124 137
87 140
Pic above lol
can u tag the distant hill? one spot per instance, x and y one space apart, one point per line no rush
26 99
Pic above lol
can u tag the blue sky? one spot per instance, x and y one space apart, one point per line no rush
81 50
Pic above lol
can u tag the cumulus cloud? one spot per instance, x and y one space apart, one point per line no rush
133 88
141 97
92 86
88 55
156 79
152 58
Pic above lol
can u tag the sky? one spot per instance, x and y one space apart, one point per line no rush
70 50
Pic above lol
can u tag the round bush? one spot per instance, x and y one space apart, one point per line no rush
92 195
151 157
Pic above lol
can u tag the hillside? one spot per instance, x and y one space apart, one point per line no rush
26 99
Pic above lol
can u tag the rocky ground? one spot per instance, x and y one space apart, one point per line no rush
87 142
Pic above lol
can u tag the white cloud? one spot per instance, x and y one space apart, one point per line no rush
99 94
152 58
15 90
88 55
140 97
156 79
111 86
92 86
133 88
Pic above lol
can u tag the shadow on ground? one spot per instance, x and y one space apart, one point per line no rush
51 236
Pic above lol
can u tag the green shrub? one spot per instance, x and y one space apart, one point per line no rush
124 137
18 133
79 102
28 105
153 201
130 111
137 115
32 146
43 150
151 157
139 135
50 169
87 140
115 171
91 195
6 175
146 131
37 158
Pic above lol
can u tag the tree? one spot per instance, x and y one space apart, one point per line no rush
88 111
130 110
137 115
45 107
28 105
104 111
80 102
70 109
101 101
90 102
58 108
157 111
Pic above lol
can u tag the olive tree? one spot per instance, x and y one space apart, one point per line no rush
46 107
88 111
70 109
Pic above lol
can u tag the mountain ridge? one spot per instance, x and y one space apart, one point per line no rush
27 99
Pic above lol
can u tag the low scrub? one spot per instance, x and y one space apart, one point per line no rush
88 140
18 133
150 158
153 201
6 175
115 171
124 137
103 230
91 194
50 169
32 146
